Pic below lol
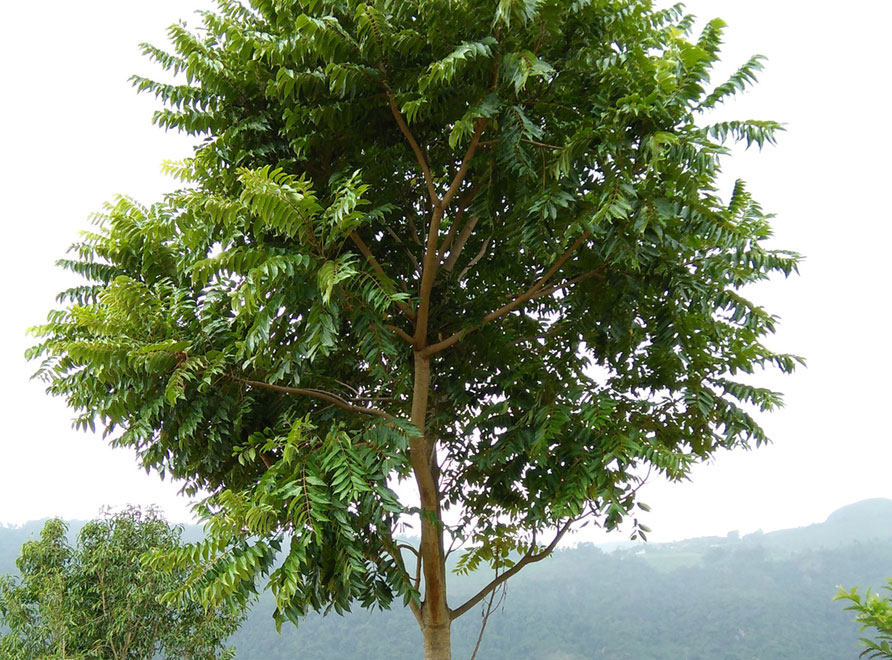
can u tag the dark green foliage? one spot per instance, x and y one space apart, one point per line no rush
521 195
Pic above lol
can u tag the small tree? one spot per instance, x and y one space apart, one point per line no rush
475 245
872 612
98 600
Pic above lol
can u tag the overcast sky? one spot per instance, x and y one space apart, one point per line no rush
75 134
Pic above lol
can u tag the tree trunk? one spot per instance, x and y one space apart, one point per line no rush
435 619
437 645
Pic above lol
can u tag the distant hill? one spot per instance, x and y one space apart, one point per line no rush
868 521
760 597
865 521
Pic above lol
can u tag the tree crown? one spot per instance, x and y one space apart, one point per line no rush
516 200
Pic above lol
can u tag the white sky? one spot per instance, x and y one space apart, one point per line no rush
75 134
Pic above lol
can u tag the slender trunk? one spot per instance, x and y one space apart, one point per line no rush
437 645
435 616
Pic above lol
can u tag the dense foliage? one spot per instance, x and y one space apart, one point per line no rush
97 601
474 244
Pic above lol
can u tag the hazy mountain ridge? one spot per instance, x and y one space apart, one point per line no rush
765 596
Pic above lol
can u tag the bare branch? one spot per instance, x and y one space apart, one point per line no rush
414 231
441 346
343 384
409 252
394 551
419 155
463 237
428 275
406 546
541 144
528 558
466 199
418 573
477 258
533 290
431 263
322 395
452 547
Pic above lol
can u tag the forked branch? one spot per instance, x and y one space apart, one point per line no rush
463 203
596 273
533 290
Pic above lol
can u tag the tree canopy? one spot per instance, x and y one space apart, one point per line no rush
475 246
97 600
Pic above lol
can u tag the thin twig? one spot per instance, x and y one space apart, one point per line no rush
487 611
466 199
409 252
406 546
477 258
529 293
541 144
465 163
414 231
394 552
597 272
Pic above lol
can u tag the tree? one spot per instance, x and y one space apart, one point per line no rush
98 600
477 247
872 611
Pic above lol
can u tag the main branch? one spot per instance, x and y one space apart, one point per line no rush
322 395
521 298
465 163
529 558
533 290
419 155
